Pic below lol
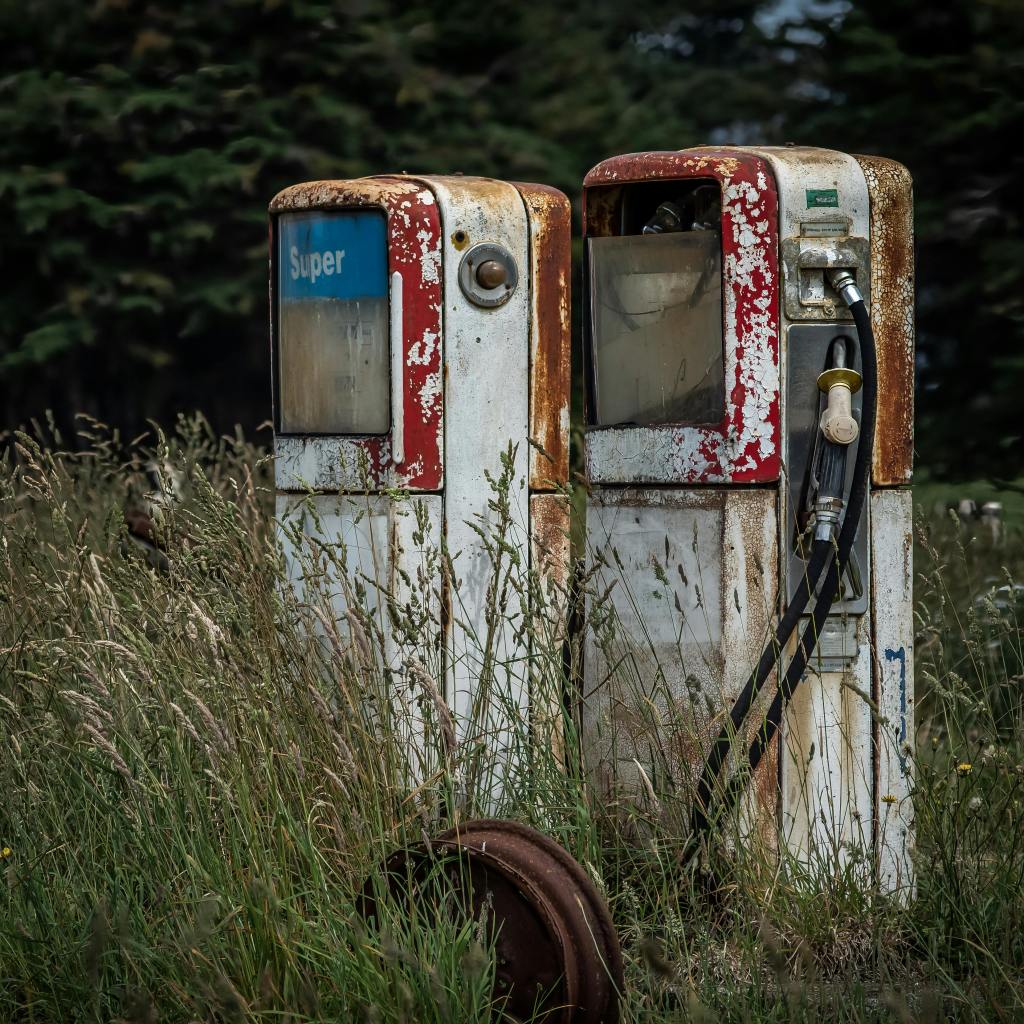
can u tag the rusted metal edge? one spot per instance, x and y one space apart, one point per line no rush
550 220
550 558
527 879
890 190
668 163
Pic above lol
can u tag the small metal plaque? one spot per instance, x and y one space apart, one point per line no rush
824 228
818 197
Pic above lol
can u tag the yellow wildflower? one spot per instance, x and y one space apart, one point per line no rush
888 799
964 768
5 853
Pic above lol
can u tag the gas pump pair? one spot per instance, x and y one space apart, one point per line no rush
748 364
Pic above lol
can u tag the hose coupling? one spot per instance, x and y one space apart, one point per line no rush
827 514
845 284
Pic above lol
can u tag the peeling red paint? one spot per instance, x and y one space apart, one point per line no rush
414 251
746 445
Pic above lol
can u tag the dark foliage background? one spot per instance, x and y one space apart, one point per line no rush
141 141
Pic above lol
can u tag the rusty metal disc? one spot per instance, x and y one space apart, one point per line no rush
557 953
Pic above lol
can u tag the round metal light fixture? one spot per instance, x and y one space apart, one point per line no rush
488 275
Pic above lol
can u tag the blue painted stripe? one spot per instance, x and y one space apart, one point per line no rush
901 657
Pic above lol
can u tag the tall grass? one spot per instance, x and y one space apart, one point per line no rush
202 767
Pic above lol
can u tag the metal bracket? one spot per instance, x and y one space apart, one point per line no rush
837 646
807 294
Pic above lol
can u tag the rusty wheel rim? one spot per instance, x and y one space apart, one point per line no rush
558 956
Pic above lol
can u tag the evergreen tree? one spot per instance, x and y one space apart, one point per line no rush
938 87
141 142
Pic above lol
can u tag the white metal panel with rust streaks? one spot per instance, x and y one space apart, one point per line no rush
486 398
693 592
827 775
893 655
320 464
375 540
826 770
750 557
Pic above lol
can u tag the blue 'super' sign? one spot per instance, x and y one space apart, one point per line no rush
332 256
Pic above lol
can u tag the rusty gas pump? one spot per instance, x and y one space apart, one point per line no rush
749 341
420 330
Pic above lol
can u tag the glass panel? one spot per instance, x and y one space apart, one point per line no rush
656 328
333 323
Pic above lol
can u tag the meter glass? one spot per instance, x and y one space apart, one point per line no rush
332 346
656 328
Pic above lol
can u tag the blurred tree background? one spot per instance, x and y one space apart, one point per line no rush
140 143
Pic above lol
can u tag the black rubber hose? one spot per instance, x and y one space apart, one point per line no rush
844 545
821 552
832 482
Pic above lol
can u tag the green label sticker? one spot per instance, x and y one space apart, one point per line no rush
817 197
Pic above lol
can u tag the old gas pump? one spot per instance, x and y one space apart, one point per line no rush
420 330
749 332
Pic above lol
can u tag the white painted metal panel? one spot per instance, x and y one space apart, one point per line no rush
486 399
688 581
892 598
827 774
826 769
321 464
364 552
342 538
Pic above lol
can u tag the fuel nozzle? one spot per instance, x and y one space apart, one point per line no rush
840 383
839 429
668 218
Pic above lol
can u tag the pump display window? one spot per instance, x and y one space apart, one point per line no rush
656 321
333 358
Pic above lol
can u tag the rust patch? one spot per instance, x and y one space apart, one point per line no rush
766 795
550 555
892 316
549 216
685 163
352 192
549 538
601 211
